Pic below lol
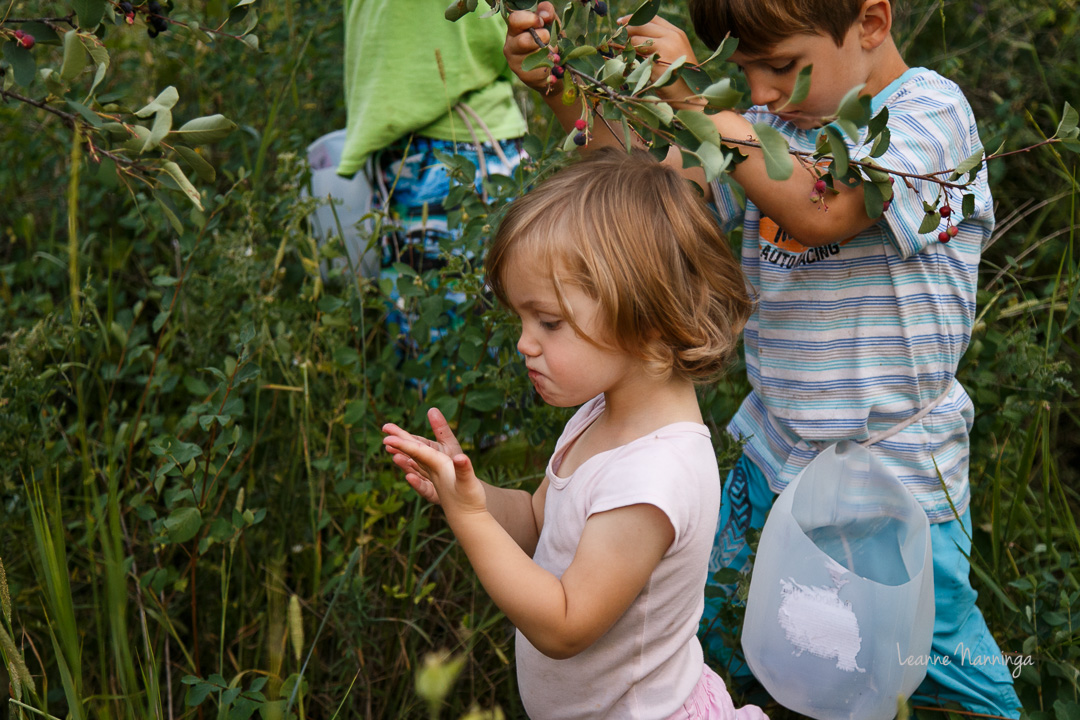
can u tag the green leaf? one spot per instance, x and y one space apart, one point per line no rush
183 523
668 74
855 108
1067 127
722 95
839 151
613 71
881 143
697 79
456 10
778 162
197 693
645 12
195 161
161 127
873 200
204 37
929 223
165 100
203 131
970 163
713 159
173 170
252 41
725 50
485 399
536 60
170 215
135 144
878 122
354 412
90 12
700 125
640 76
802 86
579 52
22 62
75 56
967 205
87 114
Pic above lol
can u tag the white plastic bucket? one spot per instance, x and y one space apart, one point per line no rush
840 616
351 198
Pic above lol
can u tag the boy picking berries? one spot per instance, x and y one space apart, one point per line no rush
860 322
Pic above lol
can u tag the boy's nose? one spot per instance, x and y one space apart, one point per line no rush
763 92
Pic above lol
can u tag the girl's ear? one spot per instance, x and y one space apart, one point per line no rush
875 23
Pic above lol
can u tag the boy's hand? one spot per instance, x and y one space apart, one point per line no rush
658 36
430 464
520 43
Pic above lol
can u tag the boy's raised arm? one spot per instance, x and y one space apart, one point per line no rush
787 202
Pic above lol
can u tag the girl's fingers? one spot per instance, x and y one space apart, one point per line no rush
443 434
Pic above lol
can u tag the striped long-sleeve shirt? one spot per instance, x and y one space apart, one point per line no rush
851 338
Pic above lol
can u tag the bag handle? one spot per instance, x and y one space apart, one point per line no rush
923 412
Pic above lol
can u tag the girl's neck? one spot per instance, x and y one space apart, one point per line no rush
639 408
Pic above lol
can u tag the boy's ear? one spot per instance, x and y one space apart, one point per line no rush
875 23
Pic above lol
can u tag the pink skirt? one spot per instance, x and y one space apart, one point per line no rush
710 701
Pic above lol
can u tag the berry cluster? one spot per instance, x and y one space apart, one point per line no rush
597 6
155 19
950 230
24 39
128 11
581 137
557 70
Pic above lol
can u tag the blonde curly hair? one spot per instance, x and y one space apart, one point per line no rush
637 238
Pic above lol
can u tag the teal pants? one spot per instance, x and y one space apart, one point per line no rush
974 677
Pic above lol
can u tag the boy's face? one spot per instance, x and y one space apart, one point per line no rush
772 75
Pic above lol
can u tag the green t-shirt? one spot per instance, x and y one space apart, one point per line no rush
393 86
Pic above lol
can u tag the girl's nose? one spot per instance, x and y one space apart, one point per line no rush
526 345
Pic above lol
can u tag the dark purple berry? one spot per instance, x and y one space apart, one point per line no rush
126 8
580 139
558 71
151 31
600 8
160 24
153 7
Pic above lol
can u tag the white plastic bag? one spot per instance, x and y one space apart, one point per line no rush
840 615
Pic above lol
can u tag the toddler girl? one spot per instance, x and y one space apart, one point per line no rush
627 295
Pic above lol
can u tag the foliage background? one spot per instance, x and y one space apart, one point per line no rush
127 439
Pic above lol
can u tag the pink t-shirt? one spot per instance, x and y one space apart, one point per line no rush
648 663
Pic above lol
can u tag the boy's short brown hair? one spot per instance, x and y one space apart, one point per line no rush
636 237
761 24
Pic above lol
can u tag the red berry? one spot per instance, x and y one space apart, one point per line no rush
551 79
944 236
580 139
554 57
820 186
952 230
19 34
580 124
27 40
945 211
885 205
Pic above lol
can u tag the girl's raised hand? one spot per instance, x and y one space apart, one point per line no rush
439 477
